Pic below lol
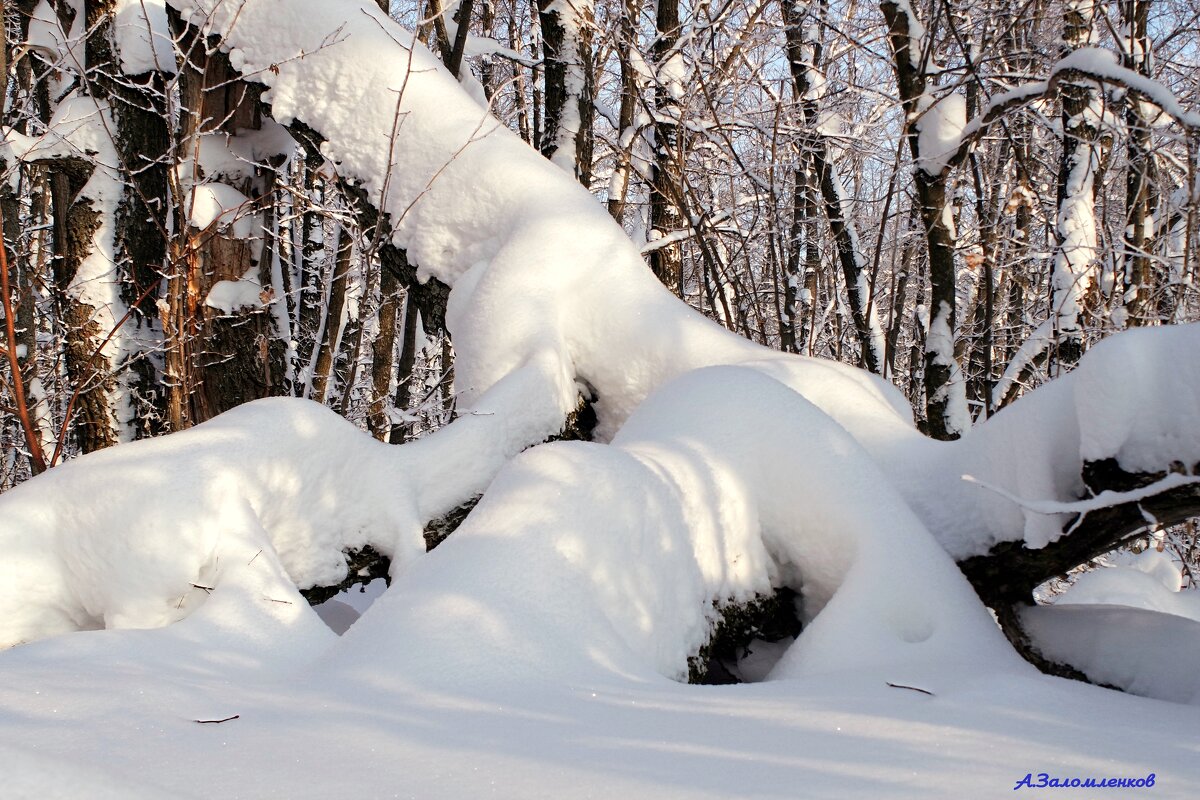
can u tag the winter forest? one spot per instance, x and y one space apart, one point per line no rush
580 398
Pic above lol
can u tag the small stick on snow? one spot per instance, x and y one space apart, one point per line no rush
217 721
208 589
256 555
912 688
273 600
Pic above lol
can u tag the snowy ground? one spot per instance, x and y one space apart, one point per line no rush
97 714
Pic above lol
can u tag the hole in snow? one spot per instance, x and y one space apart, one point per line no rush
748 639
344 609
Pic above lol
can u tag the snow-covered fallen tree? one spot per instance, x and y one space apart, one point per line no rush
551 301
544 641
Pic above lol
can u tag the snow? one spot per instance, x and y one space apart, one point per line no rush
939 131
230 296
1151 582
1144 652
549 294
533 652
573 16
222 205
527 654
1076 233
143 37
940 343
1115 421
1104 65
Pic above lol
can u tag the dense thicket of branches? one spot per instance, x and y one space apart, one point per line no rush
849 181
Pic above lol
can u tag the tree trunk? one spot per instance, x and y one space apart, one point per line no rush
945 392
804 58
219 356
1139 226
334 307
567 44
383 356
666 171
1075 251
618 186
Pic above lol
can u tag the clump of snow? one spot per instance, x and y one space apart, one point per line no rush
940 342
1103 64
231 296
1131 625
143 37
1137 399
939 131
222 205
238 503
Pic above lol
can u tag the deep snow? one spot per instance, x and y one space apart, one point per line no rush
532 654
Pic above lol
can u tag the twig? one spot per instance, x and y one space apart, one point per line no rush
217 721
37 458
912 688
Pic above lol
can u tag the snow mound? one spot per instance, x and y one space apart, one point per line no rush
1143 652
721 486
1152 584
593 560
229 517
1114 384
551 298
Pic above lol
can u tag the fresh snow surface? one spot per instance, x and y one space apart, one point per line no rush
143 37
1151 582
1144 652
222 205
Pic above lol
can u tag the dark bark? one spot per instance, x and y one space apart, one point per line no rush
933 200
428 297
90 372
626 134
1006 576
404 369
463 20
383 356
568 71
771 618
362 567
216 359
669 145
1010 571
